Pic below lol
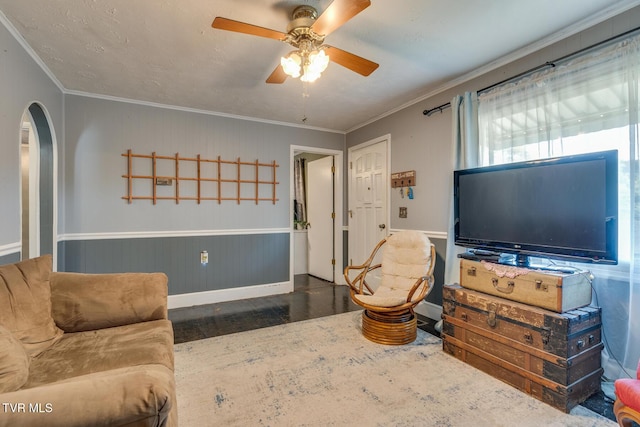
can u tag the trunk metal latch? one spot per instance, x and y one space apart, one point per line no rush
491 319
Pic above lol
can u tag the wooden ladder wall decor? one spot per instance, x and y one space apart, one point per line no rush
221 181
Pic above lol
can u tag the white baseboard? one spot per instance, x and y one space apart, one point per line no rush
231 294
429 309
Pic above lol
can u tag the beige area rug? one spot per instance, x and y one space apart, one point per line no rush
322 372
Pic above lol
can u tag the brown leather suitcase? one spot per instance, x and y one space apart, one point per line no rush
551 356
554 291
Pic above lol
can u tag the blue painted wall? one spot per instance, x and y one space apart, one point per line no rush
234 260
9 258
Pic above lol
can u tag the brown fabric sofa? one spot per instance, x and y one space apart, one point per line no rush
84 349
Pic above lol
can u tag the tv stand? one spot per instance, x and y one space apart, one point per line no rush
549 288
519 260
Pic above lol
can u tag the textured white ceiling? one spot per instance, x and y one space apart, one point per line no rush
166 52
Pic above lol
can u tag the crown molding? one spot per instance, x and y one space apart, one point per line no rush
16 35
195 110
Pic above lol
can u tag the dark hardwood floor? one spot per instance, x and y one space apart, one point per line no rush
311 298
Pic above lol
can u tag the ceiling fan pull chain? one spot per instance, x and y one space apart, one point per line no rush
305 96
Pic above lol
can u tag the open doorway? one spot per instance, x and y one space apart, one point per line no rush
38 202
321 253
29 189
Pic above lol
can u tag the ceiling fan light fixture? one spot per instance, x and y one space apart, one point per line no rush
318 61
309 77
307 66
291 64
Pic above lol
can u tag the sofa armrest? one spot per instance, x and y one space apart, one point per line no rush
82 302
134 396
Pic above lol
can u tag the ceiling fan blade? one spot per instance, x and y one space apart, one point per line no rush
338 12
278 75
241 27
349 60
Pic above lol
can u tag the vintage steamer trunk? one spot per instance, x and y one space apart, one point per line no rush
554 291
551 356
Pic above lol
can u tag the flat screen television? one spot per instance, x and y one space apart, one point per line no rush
560 208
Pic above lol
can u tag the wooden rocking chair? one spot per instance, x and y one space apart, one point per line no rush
408 260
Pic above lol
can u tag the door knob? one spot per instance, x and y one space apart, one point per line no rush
382 226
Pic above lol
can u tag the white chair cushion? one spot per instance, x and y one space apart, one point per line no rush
406 257
384 297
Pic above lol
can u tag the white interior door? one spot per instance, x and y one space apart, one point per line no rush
368 189
320 215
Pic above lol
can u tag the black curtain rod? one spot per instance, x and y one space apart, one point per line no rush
524 73
443 107
440 108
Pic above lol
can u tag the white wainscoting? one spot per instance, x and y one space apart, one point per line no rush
11 248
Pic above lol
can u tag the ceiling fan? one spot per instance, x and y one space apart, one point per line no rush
306 32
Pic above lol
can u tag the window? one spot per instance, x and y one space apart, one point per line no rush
584 105
589 103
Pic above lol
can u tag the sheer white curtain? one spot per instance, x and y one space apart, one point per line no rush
465 155
589 103
300 208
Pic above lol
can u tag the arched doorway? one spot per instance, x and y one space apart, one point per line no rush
38 183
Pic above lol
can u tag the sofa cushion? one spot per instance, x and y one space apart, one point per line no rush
14 362
81 353
82 302
131 396
25 303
